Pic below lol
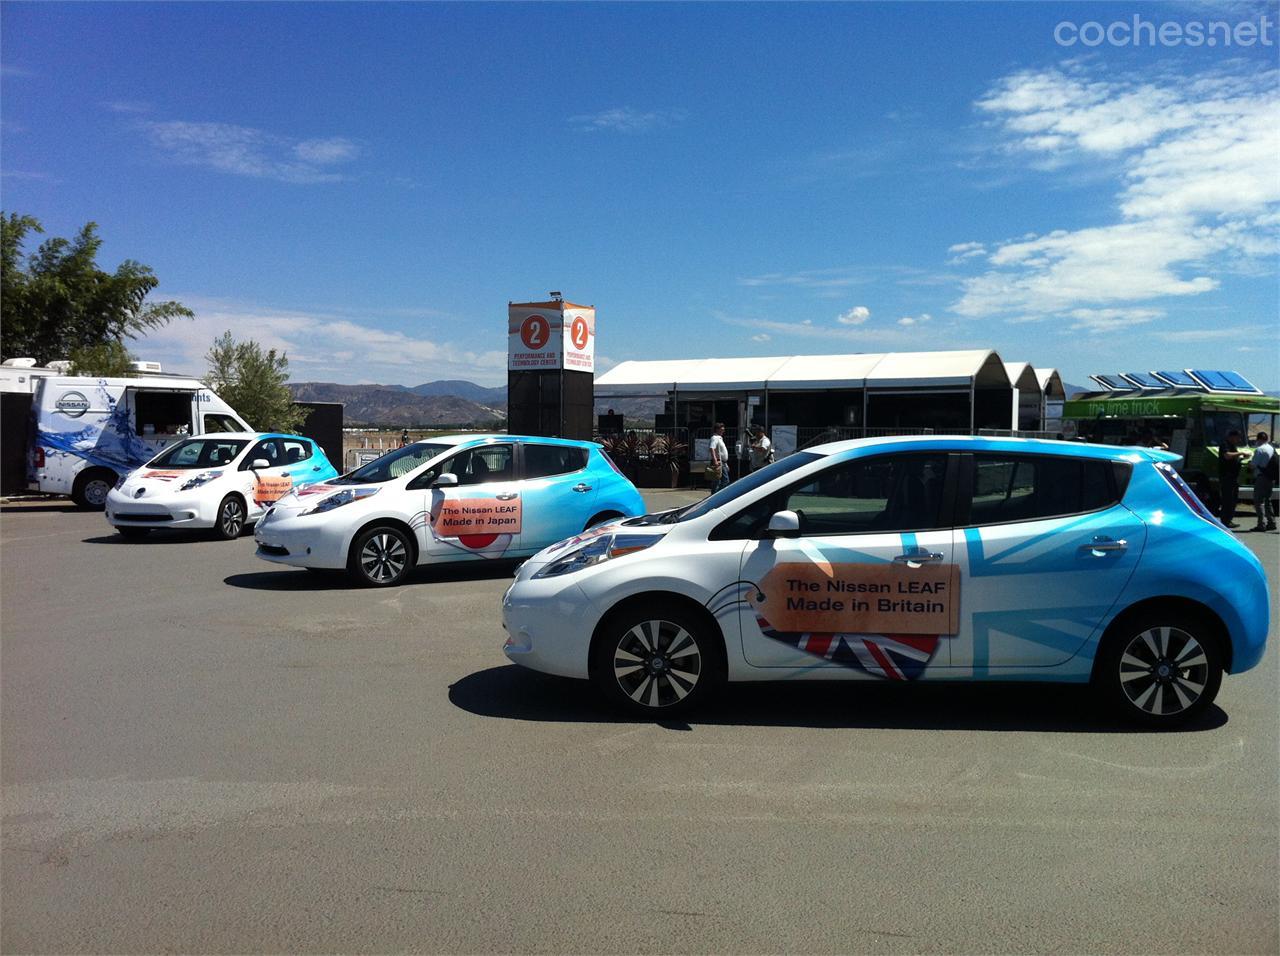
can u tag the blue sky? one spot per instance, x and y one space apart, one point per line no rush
367 185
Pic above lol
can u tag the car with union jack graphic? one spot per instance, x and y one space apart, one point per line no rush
908 558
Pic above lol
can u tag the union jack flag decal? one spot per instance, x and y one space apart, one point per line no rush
893 656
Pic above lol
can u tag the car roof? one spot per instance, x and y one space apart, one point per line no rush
972 443
501 436
250 436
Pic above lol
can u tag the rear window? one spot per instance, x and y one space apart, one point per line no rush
1011 488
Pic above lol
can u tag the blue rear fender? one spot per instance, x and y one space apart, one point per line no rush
1190 558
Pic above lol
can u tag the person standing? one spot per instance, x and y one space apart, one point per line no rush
719 455
1264 482
761 448
1230 458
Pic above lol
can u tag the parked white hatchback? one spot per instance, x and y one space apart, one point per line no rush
446 499
222 482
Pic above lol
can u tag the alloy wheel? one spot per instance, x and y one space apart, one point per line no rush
1163 671
383 557
657 663
232 519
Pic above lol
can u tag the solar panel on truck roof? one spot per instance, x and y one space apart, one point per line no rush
1223 381
1114 383
1180 379
1144 380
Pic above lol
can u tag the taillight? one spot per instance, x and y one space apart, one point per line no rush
39 457
1179 484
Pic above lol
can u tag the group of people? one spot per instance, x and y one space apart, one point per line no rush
1265 462
760 451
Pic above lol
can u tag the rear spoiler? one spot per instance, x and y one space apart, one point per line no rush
1159 454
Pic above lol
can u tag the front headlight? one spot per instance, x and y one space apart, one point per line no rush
201 479
599 549
344 497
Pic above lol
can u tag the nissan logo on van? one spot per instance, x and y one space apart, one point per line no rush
72 404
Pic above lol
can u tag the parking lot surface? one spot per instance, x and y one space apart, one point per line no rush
203 752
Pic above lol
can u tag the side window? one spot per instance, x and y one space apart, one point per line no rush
295 450
542 461
476 466
221 423
872 496
1009 488
268 448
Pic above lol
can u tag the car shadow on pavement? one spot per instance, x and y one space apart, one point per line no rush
515 693
298 579
156 537
39 508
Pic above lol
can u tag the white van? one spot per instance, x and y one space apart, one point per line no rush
87 433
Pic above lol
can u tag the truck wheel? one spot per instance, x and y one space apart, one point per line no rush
92 487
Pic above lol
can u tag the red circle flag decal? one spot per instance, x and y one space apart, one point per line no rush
534 332
579 333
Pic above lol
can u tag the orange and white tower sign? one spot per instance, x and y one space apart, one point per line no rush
555 334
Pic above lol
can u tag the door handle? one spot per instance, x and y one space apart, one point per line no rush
918 556
581 486
316 468
1102 544
507 496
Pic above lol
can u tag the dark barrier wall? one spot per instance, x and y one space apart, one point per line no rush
324 424
15 409
552 403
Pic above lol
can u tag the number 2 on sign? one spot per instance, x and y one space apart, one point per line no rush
533 332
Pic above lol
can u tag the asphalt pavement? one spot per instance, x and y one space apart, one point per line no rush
203 752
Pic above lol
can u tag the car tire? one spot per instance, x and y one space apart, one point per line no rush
656 661
231 518
381 557
1160 670
92 487
132 533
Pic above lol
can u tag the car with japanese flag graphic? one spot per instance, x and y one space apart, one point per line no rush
222 481
447 499
903 559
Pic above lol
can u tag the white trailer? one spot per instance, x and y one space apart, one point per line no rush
88 433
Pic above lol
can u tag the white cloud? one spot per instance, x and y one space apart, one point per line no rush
320 346
322 152
809 279
624 119
246 151
807 329
762 337
1214 335
965 250
1198 197
855 316
1095 321
909 320
128 106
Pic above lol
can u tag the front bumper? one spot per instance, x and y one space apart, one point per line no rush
298 542
549 624
170 511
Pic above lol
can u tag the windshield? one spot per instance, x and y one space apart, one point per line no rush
741 487
199 453
1218 424
393 464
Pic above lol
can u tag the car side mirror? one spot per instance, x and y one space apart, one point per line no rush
259 463
784 524
445 481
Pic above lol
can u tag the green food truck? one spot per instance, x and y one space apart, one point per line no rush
1178 410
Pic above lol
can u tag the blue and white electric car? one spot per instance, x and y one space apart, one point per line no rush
902 559
220 481
446 499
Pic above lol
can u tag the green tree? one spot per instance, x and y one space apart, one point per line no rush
57 300
252 381
106 359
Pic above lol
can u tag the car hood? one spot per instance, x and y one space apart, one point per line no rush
160 482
